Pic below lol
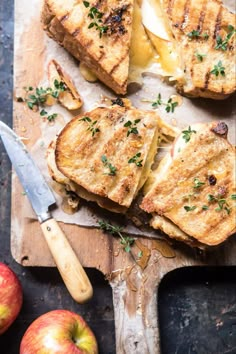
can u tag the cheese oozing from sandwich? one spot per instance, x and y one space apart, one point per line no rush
152 45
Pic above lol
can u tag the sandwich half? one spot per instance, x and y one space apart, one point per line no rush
106 155
205 35
97 33
193 188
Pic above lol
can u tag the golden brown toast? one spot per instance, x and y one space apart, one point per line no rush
101 42
109 151
194 186
200 29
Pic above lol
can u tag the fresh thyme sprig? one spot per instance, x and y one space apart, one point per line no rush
135 160
106 163
223 43
91 125
50 117
218 69
38 97
170 105
132 126
125 241
158 101
96 17
222 203
187 134
195 34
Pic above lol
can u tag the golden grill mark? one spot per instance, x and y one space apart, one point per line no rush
206 81
217 23
119 63
202 16
186 13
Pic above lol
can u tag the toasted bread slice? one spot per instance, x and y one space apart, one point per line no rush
71 186
101 40
198 27
169 228
109 151
194 186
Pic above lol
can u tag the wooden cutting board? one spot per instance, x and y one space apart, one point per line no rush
134 280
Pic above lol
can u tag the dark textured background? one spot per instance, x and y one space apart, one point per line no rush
197 306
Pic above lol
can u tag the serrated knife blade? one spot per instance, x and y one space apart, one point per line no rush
41 198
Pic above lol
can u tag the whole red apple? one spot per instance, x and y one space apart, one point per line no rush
59 332
10 297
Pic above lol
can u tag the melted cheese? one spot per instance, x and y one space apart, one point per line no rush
142 52
149 161
87 74
152 46
168 57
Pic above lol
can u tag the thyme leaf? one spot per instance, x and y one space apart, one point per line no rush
195 34
132 126
135 158
50 117
221 43
96 18
199 56
170 105
218 69
222 203
158 101
115 230
91 125
106 163
197 183
189 208
187 134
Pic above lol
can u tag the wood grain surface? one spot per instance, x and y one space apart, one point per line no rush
134 285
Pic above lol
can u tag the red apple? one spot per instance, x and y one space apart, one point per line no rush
10 297
59 332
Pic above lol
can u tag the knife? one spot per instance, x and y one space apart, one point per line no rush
41 198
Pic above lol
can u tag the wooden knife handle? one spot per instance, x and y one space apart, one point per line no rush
67 262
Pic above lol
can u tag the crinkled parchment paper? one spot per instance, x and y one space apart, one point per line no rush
40 50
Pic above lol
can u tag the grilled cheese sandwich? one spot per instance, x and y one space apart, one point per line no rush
186 190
